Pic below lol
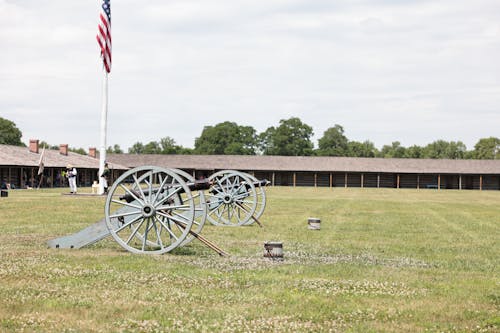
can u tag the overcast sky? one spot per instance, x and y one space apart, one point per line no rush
386 70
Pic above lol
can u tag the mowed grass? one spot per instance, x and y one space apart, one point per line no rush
384 261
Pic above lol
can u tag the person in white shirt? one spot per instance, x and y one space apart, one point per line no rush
71 174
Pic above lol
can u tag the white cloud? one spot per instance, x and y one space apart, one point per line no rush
413 71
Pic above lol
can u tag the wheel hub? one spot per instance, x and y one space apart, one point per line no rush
148 210
227 199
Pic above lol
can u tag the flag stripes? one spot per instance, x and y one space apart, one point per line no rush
104 34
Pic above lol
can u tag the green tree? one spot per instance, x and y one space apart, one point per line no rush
114 150
166 145
265 142
361 149
80 151
445 149
487 148
137 148
152 147
9 133
169 146
469 155
414 152
46 145
291 138
227 138
395 150
334 143
185 151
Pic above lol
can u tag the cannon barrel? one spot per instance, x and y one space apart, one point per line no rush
262 182
197 185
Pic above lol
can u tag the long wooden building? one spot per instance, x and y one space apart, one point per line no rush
19 167
336 171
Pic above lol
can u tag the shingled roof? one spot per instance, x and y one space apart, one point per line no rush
21 156
309 163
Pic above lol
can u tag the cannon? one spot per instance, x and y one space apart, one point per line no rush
153 210
235 198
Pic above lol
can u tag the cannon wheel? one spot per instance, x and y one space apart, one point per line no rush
261 198
232 199
159 216
200 216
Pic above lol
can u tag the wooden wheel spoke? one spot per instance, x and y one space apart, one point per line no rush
124 203
136 182
244 203
131 193
150 185
125 225
145 237
124 214
180 216
180 207
241 195
134 232
168 196
230 210
172 217
169 230
158 233
163 183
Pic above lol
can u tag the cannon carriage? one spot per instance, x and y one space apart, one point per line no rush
153 210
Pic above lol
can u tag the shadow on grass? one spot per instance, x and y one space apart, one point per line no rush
184 251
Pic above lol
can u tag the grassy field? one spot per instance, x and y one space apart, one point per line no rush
384 261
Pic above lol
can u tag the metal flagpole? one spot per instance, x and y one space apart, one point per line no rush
104 116
104 41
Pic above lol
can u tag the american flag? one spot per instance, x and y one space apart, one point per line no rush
104 34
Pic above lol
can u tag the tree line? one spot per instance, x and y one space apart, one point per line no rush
291 137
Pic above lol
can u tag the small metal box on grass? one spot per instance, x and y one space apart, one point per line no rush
314 223
273 250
